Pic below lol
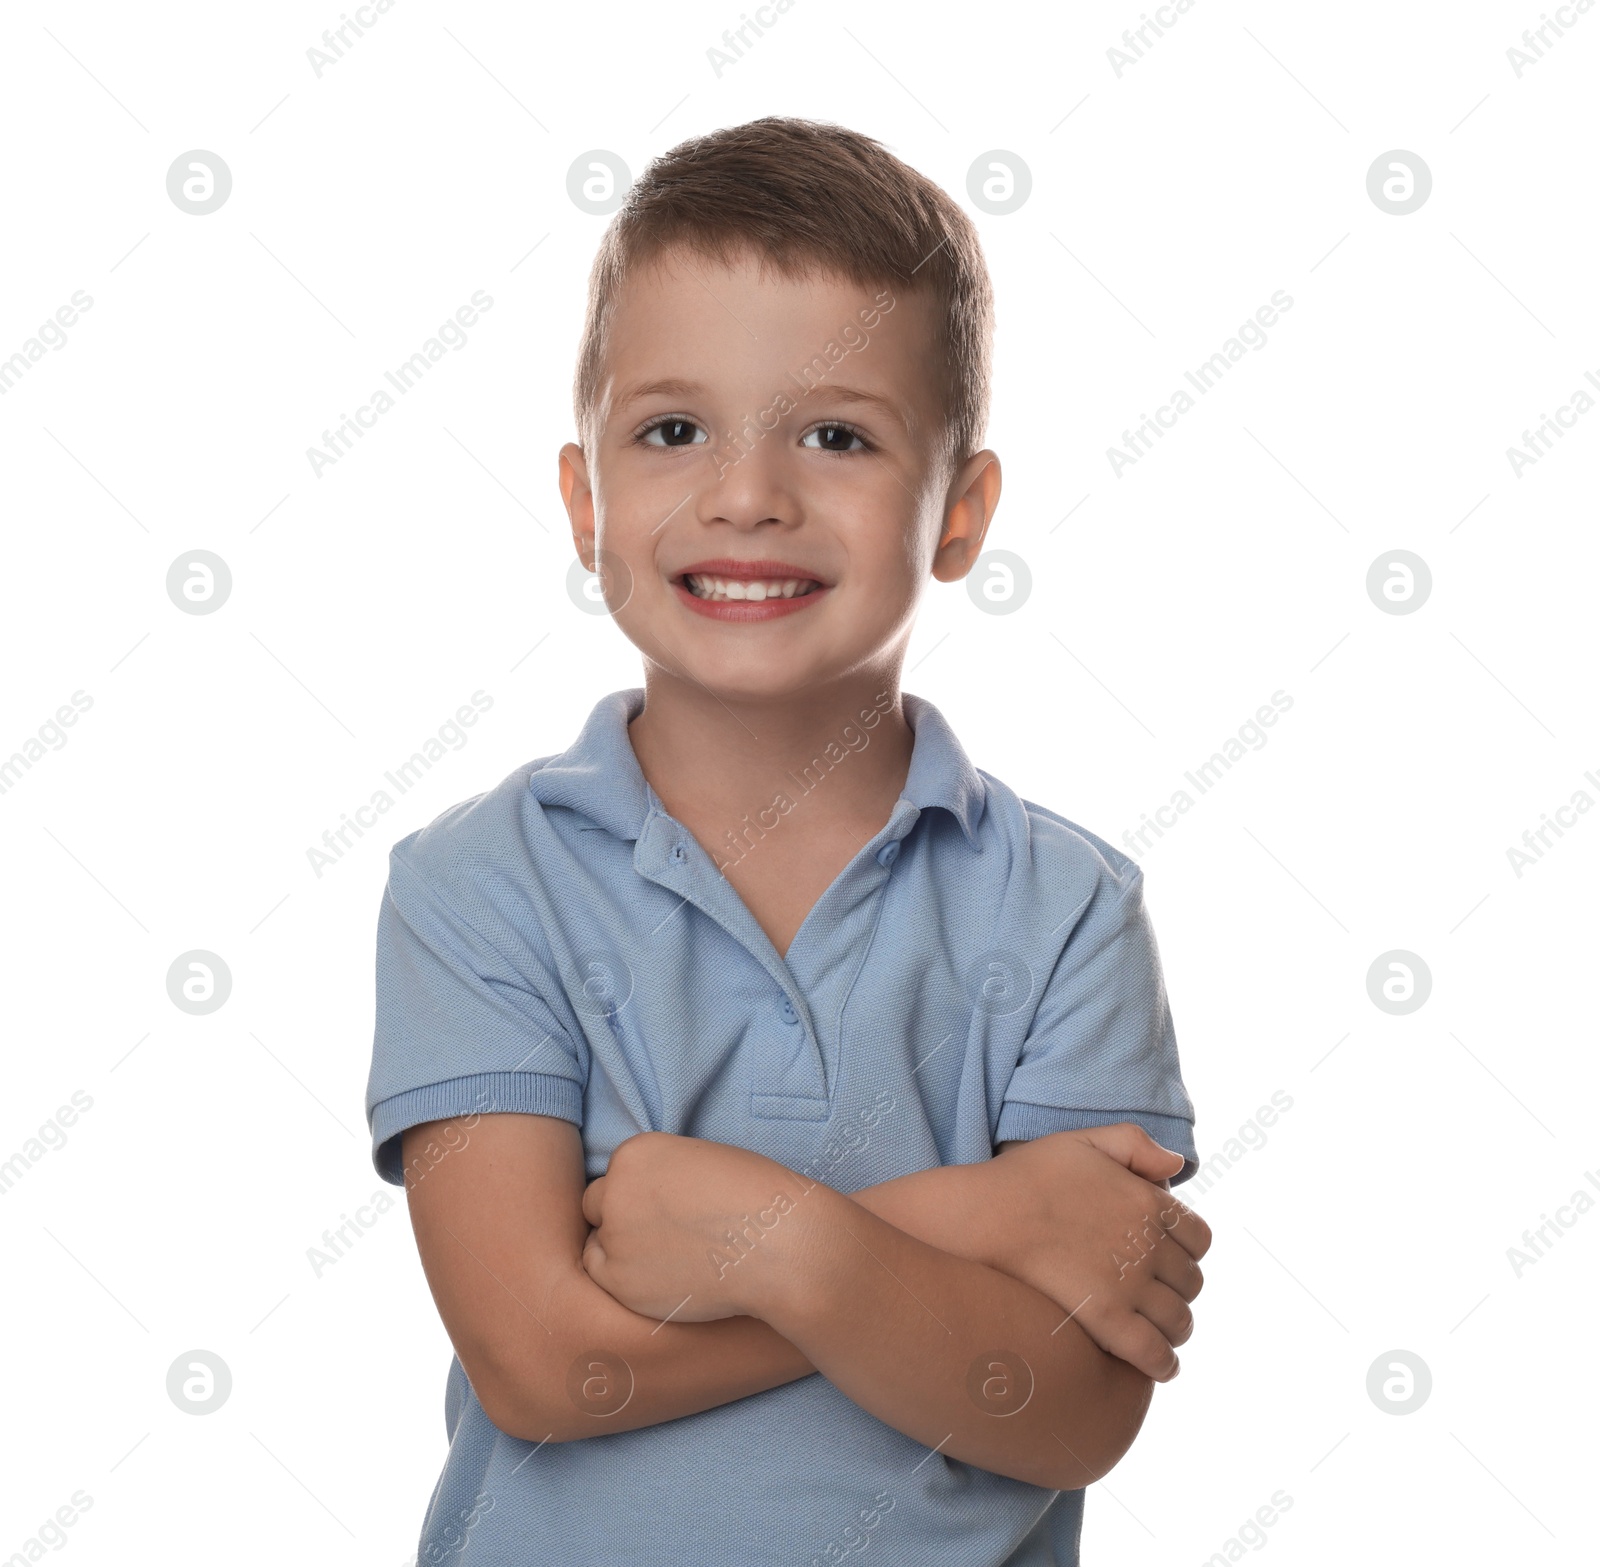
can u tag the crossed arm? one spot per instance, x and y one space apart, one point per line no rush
961 1305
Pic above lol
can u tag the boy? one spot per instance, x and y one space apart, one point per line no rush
696 1042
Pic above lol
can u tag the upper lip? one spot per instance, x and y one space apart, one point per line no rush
750 570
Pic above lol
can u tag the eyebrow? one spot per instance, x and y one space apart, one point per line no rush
673 387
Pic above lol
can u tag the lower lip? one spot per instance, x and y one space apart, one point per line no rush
747 609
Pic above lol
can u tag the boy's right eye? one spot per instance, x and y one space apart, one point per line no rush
673 430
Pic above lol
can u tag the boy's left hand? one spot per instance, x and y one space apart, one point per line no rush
663 1213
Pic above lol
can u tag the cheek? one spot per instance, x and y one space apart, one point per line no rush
917 530
887 575
627 526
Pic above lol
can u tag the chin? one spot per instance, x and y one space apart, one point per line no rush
757 678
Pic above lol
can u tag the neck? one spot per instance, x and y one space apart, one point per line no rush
717 763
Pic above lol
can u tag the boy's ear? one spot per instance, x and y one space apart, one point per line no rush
578 498
974 493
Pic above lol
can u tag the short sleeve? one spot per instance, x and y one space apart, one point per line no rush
468 1016
1101 1047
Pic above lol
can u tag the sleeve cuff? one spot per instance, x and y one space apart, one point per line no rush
1023 1122
484 1093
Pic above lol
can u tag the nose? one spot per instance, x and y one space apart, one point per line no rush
747 482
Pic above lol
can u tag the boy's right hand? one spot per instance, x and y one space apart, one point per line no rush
1079 1216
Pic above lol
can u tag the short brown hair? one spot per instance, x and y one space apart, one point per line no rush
807 197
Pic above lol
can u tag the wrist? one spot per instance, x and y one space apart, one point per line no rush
772 1249
955 1207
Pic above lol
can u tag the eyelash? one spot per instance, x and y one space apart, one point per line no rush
827 424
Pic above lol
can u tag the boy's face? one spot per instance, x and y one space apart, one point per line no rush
844 488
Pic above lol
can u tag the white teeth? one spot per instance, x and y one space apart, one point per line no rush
736 589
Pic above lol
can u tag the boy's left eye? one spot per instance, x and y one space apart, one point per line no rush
838 438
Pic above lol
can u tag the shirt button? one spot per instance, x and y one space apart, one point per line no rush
889 852
679 854
786 1009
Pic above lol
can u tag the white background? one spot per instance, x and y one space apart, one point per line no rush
1169 603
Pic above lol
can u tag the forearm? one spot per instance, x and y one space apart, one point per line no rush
940 1206
599 1367
686 1367
969 1361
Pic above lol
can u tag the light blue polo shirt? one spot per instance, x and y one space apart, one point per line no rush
982 970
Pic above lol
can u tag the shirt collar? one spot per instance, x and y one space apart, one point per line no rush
598 775
940 773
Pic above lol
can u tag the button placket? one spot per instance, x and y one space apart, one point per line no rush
671 865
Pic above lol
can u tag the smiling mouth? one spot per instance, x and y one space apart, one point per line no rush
752 590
